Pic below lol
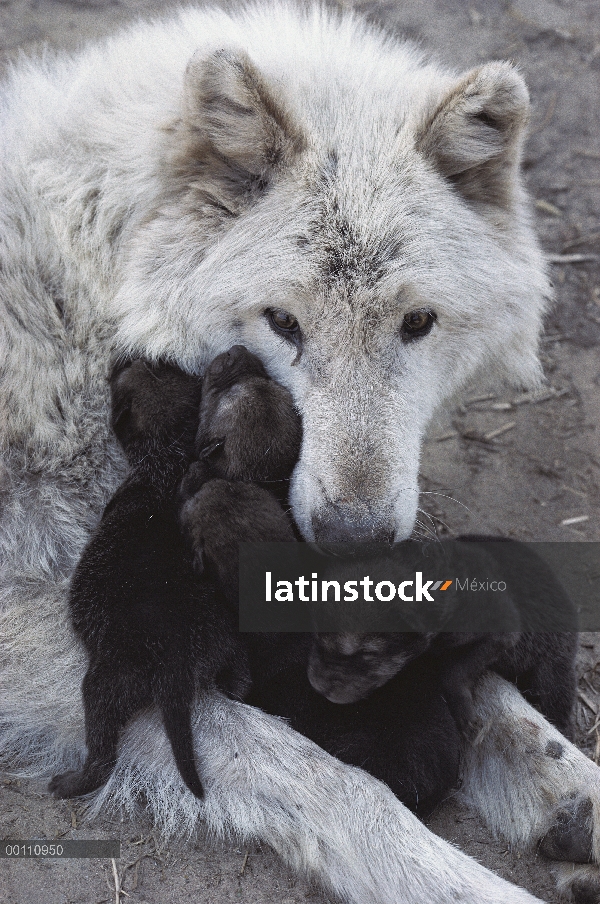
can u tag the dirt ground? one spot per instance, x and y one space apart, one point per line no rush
521 466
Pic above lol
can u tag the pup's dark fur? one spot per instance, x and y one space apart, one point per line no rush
402 733
154 633
349 667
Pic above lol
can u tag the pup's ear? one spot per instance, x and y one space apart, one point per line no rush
233 113
474 135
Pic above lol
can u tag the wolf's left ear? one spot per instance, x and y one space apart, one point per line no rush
235 118
474 135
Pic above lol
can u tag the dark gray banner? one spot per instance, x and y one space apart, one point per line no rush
65 849
470 585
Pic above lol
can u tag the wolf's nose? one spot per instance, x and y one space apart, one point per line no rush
334 525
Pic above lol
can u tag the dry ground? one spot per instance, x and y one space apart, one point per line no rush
543 468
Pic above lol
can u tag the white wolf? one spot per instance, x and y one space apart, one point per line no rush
299 183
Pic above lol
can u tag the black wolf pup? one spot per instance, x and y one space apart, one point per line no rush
539 659
248 443
155 633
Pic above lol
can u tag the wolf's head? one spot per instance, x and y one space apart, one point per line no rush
355 217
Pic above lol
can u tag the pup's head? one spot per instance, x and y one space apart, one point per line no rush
154 408
355 217
345 668
249 429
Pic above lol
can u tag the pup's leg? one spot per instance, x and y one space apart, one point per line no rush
112 695
531 785
554 682
176 705
460 675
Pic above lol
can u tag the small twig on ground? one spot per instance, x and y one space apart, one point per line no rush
481 398
534 398
548 115
582 240
499 431
147 855
244 863
445 436
472 436
547 207
118 890
117 882
574 491
585 699
594 727
573 258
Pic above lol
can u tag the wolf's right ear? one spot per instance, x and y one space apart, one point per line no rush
234 120
474 135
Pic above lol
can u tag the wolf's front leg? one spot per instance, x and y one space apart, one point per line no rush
332 822
532 786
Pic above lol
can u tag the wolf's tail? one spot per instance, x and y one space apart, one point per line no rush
176 709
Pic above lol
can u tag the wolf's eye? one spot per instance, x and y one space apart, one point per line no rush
417 324
282 321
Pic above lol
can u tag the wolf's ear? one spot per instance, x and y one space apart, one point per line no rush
233 114
474 135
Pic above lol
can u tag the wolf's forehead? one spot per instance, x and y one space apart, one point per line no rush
365 212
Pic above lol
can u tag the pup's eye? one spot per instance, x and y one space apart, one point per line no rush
282 321
417 324
213 449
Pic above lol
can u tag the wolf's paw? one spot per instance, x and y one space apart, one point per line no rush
579 884
570 836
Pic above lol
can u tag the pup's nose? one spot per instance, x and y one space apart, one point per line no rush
336 524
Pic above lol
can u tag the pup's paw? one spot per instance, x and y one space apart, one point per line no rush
227 368
462 708
71 784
